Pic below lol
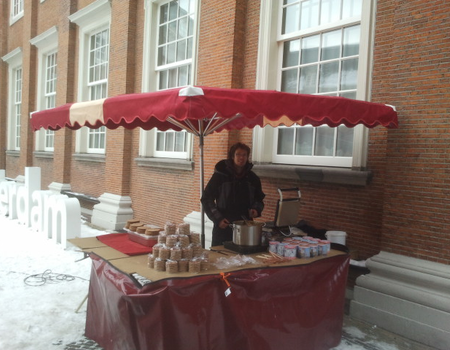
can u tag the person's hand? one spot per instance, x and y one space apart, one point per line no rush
224 223
253 213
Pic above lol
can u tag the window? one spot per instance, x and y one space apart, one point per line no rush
319 50
98 83
14 88
17 108
16 10
50 95
174 25
47 45
172 144
175 43
94 22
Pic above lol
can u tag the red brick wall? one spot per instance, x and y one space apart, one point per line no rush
412 69
88 178
46 165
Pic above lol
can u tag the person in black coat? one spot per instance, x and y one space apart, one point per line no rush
233 191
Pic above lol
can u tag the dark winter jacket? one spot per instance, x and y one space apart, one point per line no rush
228 196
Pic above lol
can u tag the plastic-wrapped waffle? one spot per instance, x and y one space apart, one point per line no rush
172 266
170 228
183 265
171 240
197 249
155 250
184 240
194 266
151 261
184 228
187 253
162 237
160 265
164 252
175 253
195 238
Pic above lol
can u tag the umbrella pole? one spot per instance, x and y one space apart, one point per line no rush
202 186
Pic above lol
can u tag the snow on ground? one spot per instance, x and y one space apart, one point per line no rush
38 312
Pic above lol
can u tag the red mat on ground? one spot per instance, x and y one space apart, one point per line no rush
121 242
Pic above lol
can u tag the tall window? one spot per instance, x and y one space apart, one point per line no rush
98 82
16 9
47 45
175 42
319 53
17 108
50 94
94 22
174 66
171 34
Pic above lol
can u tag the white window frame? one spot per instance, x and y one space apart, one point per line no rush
148 139
16 12
91 19
14 61
47 44
269 77
16 108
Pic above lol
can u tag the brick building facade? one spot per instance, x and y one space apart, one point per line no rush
394 201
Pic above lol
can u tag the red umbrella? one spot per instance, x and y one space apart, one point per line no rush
255 107
203 110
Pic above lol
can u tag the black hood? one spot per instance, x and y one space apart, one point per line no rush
226 167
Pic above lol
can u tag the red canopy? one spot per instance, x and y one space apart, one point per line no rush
203 110
229 109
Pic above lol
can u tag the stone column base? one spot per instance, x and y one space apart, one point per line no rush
407 296
112 212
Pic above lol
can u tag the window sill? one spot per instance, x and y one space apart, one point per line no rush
166 163
42 154
13 153
341 176
89 157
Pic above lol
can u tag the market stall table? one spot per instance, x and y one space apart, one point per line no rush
293 305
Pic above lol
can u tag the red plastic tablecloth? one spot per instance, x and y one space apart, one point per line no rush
290 307
121 243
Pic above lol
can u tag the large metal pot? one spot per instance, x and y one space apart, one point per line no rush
247 233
